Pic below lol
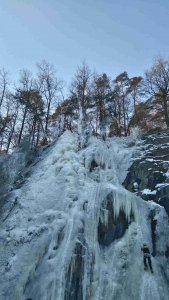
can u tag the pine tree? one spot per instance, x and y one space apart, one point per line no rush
121 84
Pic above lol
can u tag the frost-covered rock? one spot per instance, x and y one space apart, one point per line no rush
150 170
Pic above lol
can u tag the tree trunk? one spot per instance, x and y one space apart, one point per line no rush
22 126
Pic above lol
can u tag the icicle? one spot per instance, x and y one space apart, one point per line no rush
123 201
104 216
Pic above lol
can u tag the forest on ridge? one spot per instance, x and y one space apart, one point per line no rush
36 107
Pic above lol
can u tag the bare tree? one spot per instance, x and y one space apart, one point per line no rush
157 85
48 86
14 110
8 122
31 108
4 83
5 109
23 96
80 89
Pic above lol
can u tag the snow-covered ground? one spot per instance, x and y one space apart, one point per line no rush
49 248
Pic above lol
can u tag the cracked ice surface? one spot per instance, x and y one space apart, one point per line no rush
49 240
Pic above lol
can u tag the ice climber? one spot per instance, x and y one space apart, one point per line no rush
146 256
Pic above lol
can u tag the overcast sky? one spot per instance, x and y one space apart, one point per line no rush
111 35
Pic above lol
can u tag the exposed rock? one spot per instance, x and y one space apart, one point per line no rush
13 165
74 289
111 227
114 229
150 171
74 279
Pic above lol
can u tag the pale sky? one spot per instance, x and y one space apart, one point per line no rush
113 36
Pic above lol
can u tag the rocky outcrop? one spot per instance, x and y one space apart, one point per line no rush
148 176
13 165
112 226
16 168
74 285
115 228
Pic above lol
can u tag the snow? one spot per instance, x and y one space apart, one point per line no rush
148 192
150 159
161 185
57 213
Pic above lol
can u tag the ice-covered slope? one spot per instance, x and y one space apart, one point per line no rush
74 233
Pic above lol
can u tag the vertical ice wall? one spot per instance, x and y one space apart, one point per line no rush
76 233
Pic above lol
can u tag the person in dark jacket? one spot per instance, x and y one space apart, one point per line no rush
146 256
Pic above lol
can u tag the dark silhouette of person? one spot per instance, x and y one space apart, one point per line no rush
146 256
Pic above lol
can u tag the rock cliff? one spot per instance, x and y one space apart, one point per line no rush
148 176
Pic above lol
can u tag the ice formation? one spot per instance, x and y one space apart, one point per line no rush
75 233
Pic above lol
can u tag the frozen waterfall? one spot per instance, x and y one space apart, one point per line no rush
72 232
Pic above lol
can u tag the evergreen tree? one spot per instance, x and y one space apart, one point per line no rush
121 84
102 96
135 90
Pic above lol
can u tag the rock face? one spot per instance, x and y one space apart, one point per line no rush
74 281
148 176
13 166
15 170
114 227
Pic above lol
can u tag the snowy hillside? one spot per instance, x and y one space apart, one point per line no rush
71 231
